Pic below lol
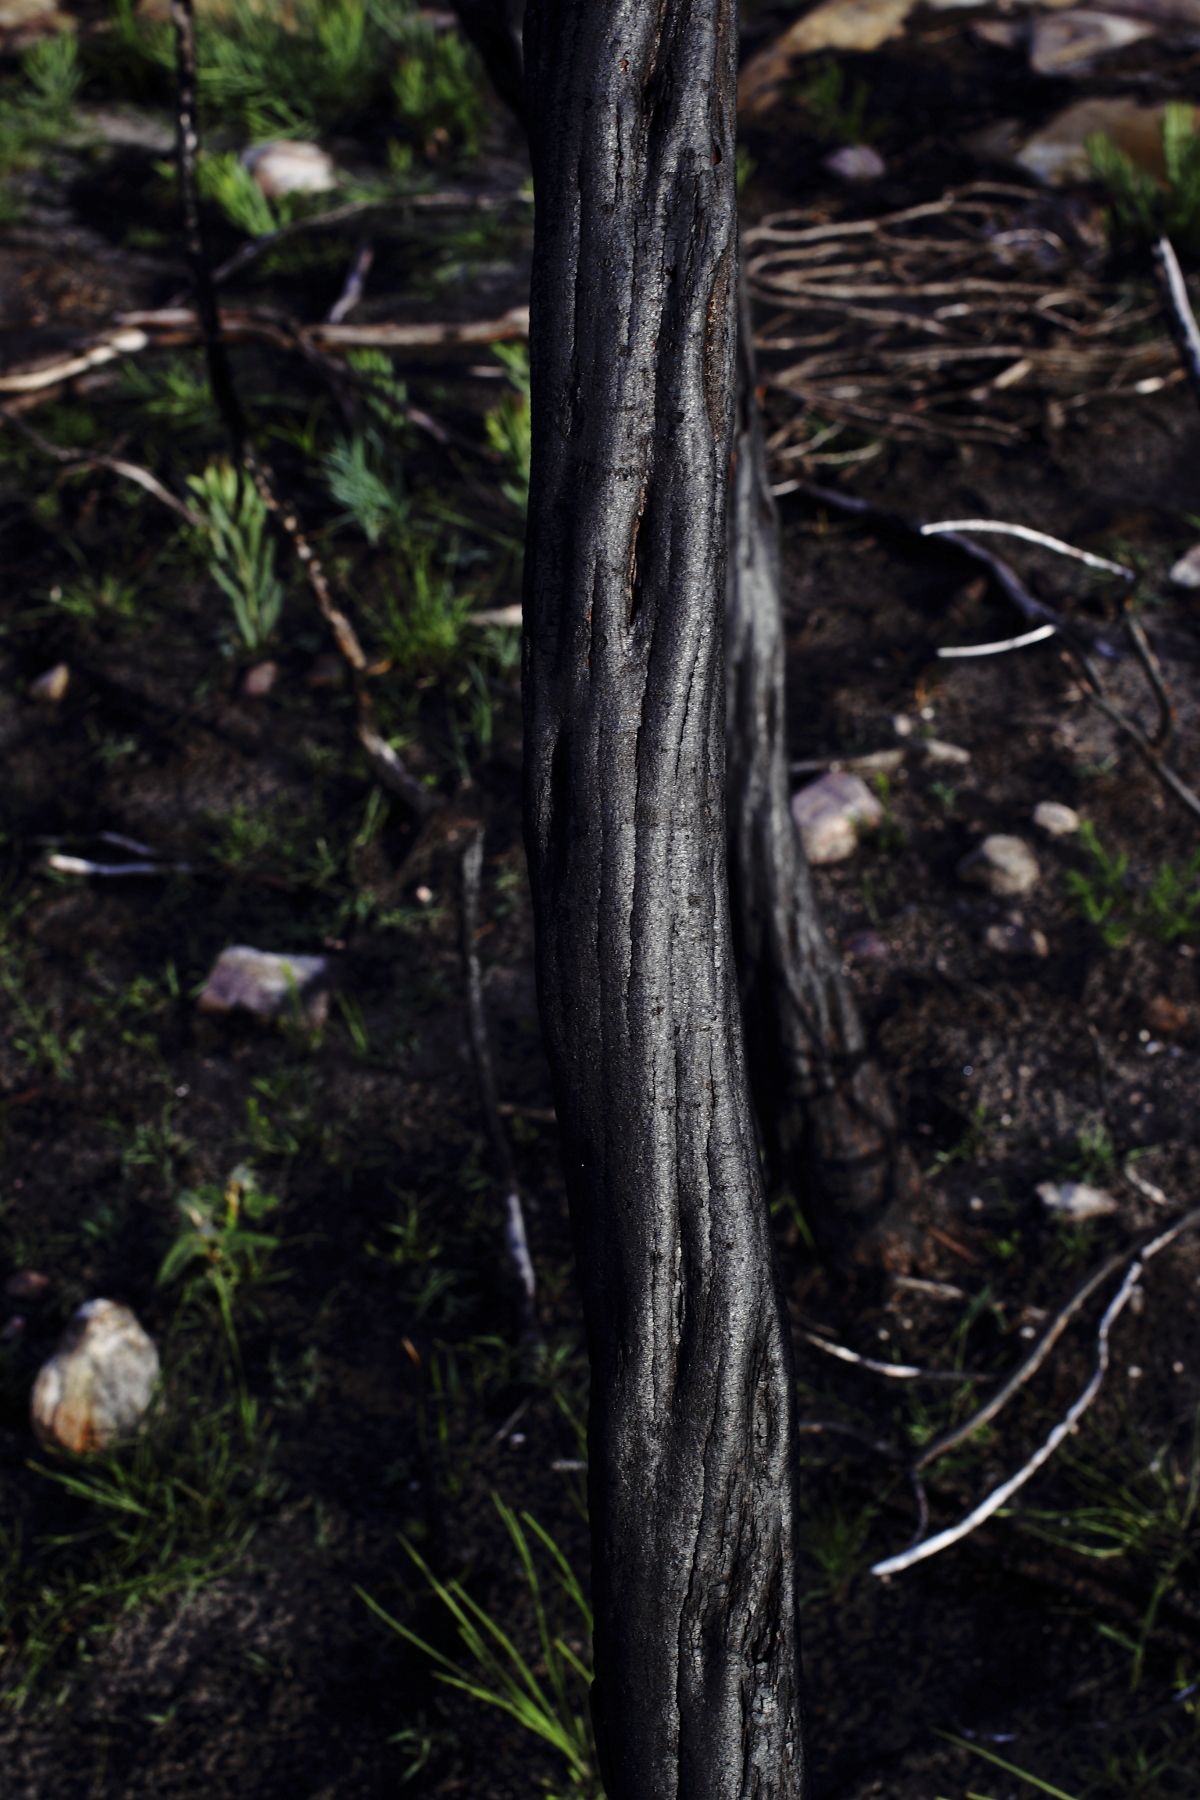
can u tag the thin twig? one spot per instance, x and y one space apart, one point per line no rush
1093 692
1183 320
894 1565
1153 673
515 1239
356 280
1030 536
116 465
385 764
898 1371
1037 636
82 865
125 341
1024 1371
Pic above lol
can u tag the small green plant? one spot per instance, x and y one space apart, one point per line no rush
243 553
1022 1774
226 180
1141 207
436 93
1170 908
354 470
836 1539
420 619
34 109
972 1144
216 1251
508 425
834 117
554 1707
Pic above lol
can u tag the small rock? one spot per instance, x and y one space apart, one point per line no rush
828 811
1057 154
27 1284
903 725
1164 1017
834 25
1057 820
1075 1200
50 686
1067 43
1186 572
1016 940
15 13
258 681
935 751
876 762
1003 865
266 984
284 167
13 1329
855 162
868 946
98 1383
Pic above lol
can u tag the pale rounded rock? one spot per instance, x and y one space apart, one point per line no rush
287 167
267 984
829 811
1186 572
1075 1200
1055 819
855 162
1001 864
50 686
97 1386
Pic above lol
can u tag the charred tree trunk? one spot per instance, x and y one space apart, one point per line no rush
691 1430
828 1127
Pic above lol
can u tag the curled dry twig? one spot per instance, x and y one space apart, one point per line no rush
115 464
999 1496
515 1239
897 1371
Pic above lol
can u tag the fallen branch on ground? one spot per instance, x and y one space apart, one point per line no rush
897 1371
515 1238
987 1508
1179 306
116 465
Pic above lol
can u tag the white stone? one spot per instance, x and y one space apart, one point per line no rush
1003 865
828 812
1057 153
1057 820
50 686
1016 940
855 162
266 984
1076 1200
935 750
1186 572
285 167
1067 42
98 1384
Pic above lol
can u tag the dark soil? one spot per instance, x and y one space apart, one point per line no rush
397 1408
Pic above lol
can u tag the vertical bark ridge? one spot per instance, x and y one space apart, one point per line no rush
692 1446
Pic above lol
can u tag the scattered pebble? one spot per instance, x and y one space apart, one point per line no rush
1135 1374
1076 1200
855 162
1186 572
934 750
424 896
1177 1368
285 167
266 984
258 681
1003 865
1162 1015
1057 153
1057 820
833 25
27 1284
828 812
1016 940
1068 43
903 725
867 946
97 1385
51 685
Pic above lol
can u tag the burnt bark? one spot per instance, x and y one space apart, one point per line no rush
691 1428
828 1126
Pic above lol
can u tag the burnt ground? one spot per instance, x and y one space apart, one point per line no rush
187 1622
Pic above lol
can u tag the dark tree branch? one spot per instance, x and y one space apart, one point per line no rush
691 1433
827 1122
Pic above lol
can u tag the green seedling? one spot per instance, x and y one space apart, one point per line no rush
551 1703
1036 1781
1141 207
834 117
972 1144
509 426
227 181
242 560
1170 908
359 479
